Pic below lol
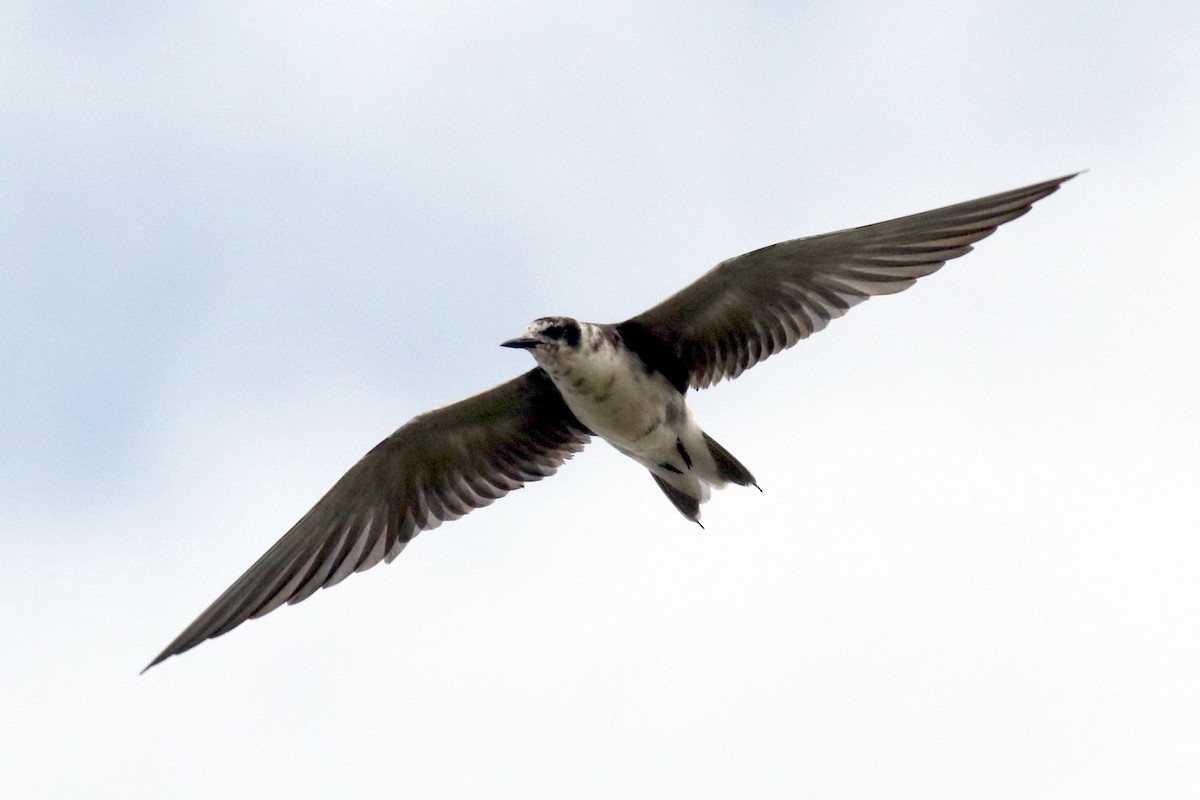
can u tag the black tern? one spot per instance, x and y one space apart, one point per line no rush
624 382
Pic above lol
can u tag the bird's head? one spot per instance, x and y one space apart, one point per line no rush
548 337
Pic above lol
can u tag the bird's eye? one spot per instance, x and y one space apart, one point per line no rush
554 332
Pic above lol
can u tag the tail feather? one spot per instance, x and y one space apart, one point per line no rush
688 506
728 467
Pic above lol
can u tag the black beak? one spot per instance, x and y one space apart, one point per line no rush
521 343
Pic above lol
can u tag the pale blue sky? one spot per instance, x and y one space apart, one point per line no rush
242 244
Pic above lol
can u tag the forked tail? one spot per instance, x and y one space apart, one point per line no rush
729 468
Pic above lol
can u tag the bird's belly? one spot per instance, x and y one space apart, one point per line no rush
631 410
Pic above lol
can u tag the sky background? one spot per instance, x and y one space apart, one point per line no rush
241 243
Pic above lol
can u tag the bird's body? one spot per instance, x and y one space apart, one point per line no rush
625 383
623 397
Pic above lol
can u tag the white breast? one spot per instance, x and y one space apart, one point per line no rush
636 411
610 391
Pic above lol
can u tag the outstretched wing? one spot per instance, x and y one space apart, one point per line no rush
758 304
437 467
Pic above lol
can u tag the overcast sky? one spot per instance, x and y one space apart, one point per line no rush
241 243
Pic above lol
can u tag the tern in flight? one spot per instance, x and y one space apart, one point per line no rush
625 383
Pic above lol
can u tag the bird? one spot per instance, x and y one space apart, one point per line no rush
625 383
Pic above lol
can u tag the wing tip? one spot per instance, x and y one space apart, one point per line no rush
1053 184
171 650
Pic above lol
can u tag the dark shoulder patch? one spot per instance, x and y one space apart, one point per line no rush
657 355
